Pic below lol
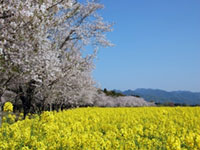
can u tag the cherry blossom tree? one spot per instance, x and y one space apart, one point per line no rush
41 51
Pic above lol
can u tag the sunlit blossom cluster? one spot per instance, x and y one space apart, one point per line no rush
106 129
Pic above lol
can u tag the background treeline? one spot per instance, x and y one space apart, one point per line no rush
112 93
171 104
102 98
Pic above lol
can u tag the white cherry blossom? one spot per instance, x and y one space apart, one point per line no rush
41 44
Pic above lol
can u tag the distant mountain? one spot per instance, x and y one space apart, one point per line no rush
161 96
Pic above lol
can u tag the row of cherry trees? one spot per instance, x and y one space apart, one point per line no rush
41 52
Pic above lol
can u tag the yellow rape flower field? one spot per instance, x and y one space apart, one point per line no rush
145 128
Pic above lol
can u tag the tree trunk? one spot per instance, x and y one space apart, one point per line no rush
50 107
27 97
26 104
1 114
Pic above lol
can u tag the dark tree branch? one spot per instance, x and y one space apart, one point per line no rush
5 16
5 84
67 38
55 4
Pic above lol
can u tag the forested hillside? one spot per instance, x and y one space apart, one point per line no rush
161 96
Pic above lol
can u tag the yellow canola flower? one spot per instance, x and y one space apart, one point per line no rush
8 107
106 129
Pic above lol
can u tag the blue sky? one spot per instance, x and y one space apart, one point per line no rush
157 45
